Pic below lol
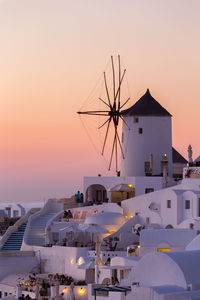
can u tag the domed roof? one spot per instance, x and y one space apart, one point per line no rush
105 218
146 106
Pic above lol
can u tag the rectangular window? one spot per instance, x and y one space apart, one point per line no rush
140 130
146 166
168 203
187 204
163 249
199 209
122 137
136 119
147 220
149 190
15 213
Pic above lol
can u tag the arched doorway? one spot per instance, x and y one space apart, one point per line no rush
96 193
169 226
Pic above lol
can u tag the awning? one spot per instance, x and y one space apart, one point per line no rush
122 187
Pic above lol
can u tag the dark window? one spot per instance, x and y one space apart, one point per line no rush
199 208
187 204
5 294
191 226
168 203
140 130
147 220
15 213
136 119
146 166
149 190
0 294
122 137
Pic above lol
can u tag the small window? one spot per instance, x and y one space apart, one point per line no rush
0 294
122 137
140 130
5 294
191 226
146 166
15 213
187 204
147 220
168 203
149 190
136 119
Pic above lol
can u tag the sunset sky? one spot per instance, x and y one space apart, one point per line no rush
52 53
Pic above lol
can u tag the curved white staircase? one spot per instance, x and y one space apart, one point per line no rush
35 232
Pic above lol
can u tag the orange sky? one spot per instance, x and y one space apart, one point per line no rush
52 53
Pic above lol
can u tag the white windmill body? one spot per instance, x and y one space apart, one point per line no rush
147 140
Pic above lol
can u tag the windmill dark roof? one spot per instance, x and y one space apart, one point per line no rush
177 157
146 106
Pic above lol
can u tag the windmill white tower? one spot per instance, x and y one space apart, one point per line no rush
147 140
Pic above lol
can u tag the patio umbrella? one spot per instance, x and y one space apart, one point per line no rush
68 229
93 228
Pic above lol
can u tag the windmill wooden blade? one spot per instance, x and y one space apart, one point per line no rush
106 86
104 123
120 144
106 136
124 122
125 103
113 110
104 102
94 112
113 146
119 94
120 83
113 71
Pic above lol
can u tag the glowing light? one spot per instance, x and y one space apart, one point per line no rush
80 261
65 290
138 246
129 217
112 231
163 249
130 185
82 291
72 261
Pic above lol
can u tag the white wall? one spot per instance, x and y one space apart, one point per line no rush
156 269
156 139
140 205
176 239
76 292
62 260
148 293
168 216
140 183
5 288
17 262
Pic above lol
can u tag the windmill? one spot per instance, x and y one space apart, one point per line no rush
113 110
